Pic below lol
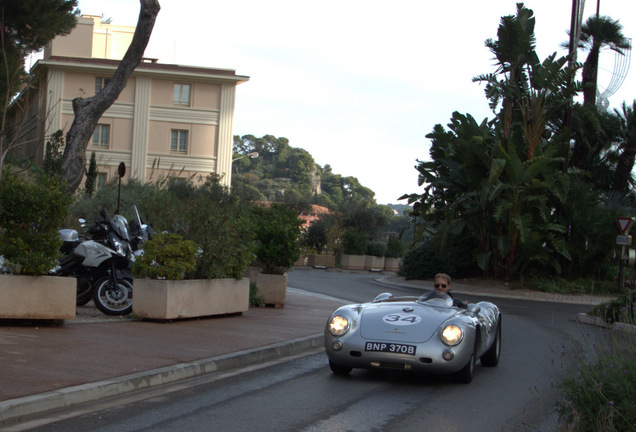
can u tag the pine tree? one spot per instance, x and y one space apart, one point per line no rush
91 176
52 163
26 26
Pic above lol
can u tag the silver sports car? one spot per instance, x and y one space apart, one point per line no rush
424 333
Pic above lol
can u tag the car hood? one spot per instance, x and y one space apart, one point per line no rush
403 322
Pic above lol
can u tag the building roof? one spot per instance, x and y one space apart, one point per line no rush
149 66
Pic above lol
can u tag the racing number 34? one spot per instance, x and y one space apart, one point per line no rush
402 319
394 318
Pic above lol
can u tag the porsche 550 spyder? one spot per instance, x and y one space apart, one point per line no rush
425 333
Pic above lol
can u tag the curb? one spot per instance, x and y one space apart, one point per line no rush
14 409
584 318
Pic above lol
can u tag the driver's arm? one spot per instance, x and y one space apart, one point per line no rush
460 304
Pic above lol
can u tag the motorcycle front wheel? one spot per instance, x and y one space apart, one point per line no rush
113 300
84 292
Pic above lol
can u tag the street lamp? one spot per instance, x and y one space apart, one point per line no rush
251 155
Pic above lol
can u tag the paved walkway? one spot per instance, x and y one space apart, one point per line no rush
94 356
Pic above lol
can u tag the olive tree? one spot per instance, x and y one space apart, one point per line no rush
88 110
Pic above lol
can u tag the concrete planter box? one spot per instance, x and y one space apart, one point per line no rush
328 261
373 263
352 262
392 264
170 299
37 297
272 289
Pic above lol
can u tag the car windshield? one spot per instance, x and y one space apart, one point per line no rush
435 298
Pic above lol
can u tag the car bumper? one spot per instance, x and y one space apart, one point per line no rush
429 357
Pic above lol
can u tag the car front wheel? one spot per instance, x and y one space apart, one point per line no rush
339 369
491 357
465 375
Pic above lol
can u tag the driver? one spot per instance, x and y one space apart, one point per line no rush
442 284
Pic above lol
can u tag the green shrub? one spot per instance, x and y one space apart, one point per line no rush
255 298
223 232
166 256
31 210
376 249
156 206
354 242
217 222
394 247
324 236
424 262
421 263
315 237
206 214
277 231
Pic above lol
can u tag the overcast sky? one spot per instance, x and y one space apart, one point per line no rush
357 83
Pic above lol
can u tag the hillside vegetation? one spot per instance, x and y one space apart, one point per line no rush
284 173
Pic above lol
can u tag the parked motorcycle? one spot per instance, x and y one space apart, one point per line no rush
101 264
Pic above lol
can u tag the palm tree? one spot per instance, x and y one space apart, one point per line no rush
627 135
597 33
514 52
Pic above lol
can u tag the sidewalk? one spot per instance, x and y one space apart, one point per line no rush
91 358
94 357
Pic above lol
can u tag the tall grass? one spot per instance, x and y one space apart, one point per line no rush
601 394
622 309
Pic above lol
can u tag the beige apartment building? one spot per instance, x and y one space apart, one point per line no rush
170 120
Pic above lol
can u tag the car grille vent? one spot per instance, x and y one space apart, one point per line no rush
355 354
426 360
384 365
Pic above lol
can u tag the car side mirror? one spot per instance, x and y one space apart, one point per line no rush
472 307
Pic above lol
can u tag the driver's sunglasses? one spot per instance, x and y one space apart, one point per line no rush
440 285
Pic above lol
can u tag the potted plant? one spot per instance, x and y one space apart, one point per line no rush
165 288
31 207
354 242
219 223
322 242
375 256
277 232
393 254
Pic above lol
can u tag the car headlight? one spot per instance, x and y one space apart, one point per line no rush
338 325
452 335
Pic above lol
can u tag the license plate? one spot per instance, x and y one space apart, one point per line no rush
390 348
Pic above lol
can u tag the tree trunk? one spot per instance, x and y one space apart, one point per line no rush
88 111
624 166
590 77
581 150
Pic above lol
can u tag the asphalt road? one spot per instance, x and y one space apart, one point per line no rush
301 394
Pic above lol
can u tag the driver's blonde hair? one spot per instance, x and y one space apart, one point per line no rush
443 276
